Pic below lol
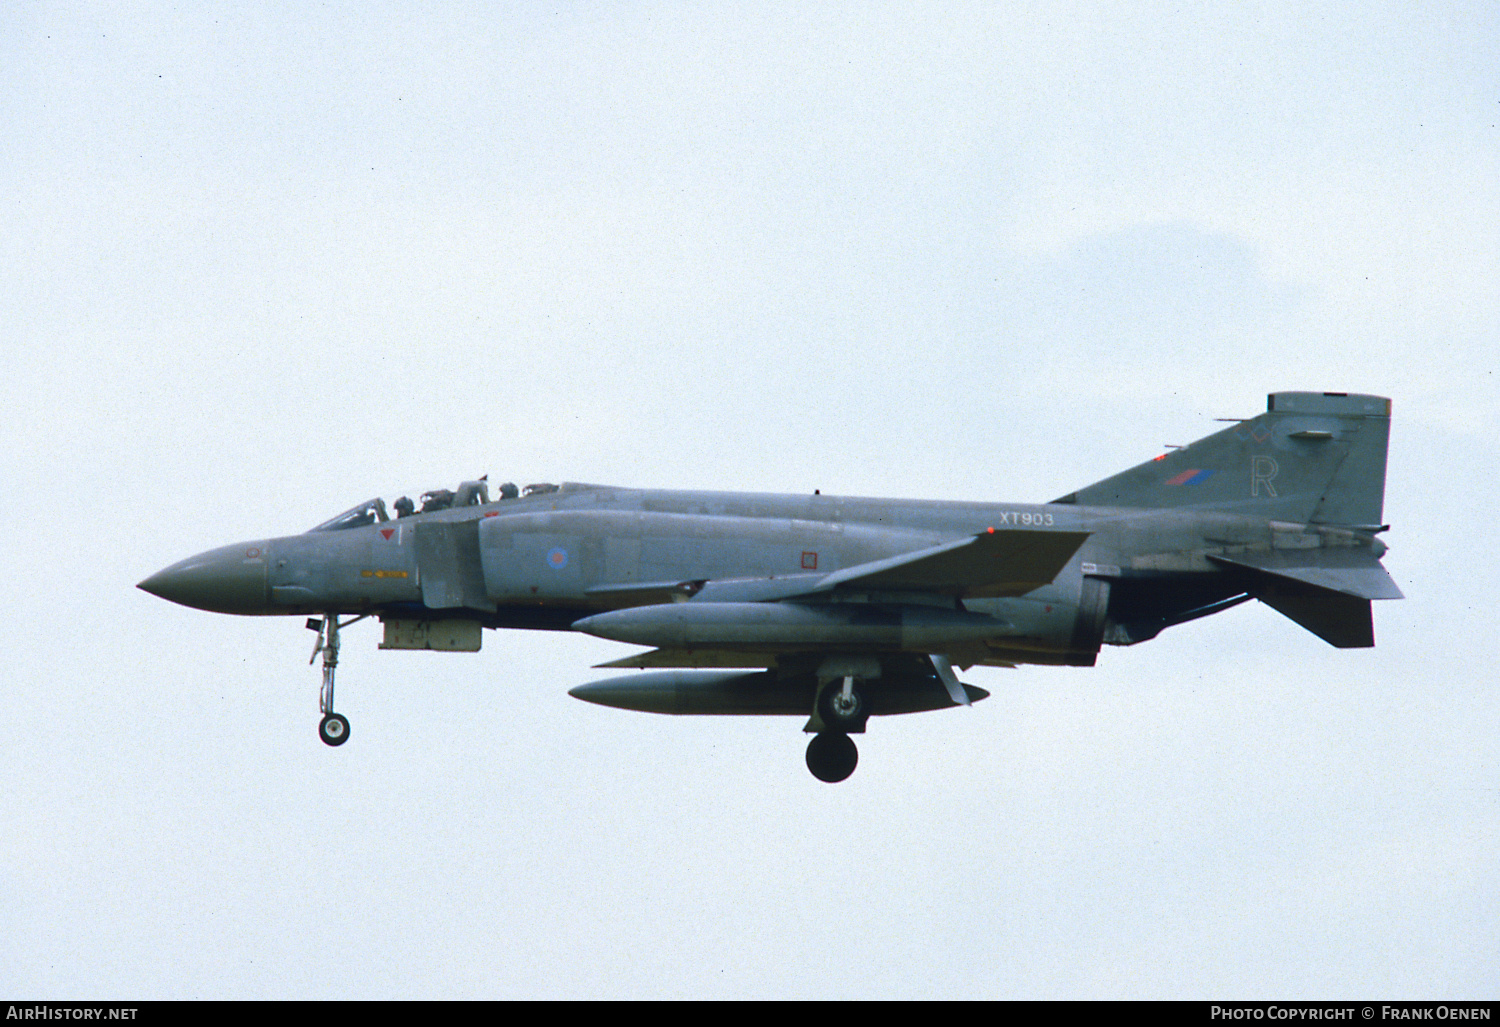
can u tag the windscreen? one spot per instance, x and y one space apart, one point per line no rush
368 512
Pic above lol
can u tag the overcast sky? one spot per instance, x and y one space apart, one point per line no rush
263 261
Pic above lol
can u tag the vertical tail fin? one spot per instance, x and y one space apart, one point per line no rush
1311 457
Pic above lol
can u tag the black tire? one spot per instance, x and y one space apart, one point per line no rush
832 757
334 730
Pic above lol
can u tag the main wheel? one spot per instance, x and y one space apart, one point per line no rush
832 757
334 730
838 712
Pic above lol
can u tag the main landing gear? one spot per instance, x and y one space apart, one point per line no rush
334 727
838 711
832 756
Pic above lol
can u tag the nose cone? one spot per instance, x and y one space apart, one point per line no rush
231 579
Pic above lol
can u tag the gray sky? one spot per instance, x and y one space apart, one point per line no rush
262 262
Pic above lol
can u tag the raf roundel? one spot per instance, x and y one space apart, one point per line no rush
557 558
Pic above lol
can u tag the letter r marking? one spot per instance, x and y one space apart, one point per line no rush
1262 470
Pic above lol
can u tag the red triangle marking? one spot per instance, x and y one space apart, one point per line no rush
388 532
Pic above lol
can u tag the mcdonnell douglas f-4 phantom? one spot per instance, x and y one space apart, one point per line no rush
840 609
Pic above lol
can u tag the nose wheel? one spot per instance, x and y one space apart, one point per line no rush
334 727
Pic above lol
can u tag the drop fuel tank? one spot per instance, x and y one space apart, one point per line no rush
908 628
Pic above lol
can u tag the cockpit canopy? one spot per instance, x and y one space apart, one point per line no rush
469 493
368 512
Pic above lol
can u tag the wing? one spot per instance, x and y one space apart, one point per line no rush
738 622
992 563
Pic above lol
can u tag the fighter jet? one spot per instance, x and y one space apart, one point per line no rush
841 609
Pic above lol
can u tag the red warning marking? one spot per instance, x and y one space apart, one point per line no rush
388 532
809 561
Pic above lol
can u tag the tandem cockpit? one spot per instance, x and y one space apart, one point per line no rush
469 493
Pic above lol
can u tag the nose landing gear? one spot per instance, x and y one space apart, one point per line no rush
334 727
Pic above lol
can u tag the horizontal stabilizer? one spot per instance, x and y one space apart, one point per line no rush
1340 620
992 563
1350 572
1327 591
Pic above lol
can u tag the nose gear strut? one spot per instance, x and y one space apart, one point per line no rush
334 727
